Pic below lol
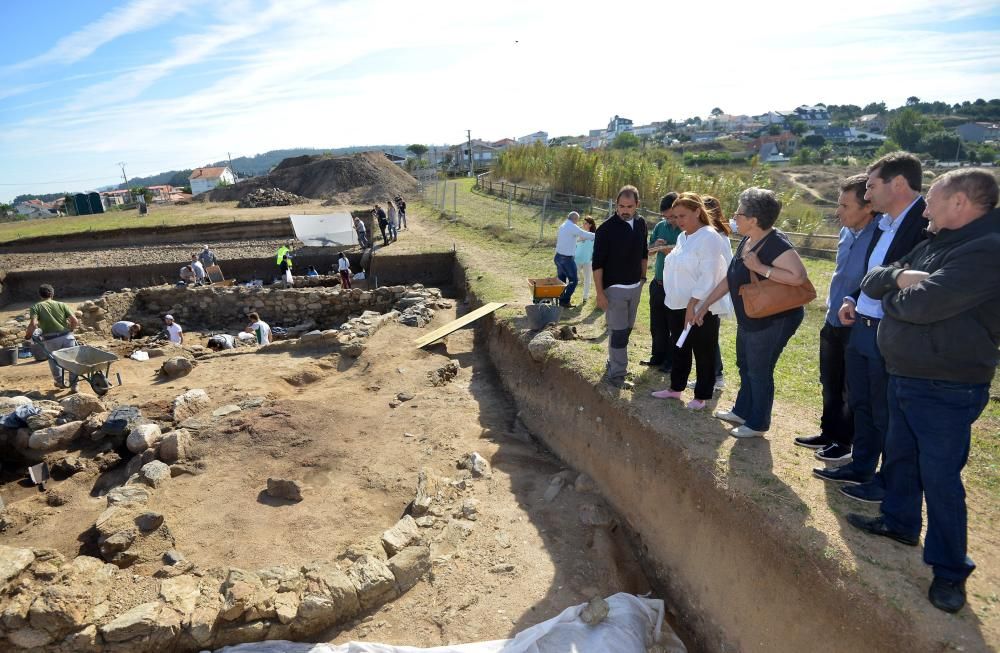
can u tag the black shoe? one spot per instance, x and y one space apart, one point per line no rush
813 441
876 526
835 452
947 595
840 474
616 382
866 492
652 362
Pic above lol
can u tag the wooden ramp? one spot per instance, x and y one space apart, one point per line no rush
468 318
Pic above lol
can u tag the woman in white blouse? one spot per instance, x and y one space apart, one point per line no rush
690 272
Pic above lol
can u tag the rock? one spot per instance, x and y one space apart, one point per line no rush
505 568
444 374
190 404
121 420
400 536
175 367
175 446
83 641
8 404
181 593
93 426
584 484
43 420
193 469
107 460
60 609
353 349
142 437
594 515
149 521
12 562
286 606
173 557
470 509
154 473
373 581
239 592
426 521
409 565
29 638
540 345
128 495
68 466
145 620
56 498
370 546
476 464
156 352
284 489
81 405
595 611
552 491
54 437
404 396
228 409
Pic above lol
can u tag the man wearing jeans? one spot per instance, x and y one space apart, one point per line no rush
565 251
893 188
620 258
56 321
939 338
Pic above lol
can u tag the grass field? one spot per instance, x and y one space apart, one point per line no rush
517 254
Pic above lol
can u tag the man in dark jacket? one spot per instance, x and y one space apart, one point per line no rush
619 264
939 338
893 188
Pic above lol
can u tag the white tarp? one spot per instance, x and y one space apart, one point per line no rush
633 625
329 230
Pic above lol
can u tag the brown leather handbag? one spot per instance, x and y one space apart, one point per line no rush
764 297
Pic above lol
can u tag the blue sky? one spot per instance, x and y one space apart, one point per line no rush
169 84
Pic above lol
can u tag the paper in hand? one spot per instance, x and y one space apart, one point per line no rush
684 335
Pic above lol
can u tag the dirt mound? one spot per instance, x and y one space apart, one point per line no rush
357 179
270 197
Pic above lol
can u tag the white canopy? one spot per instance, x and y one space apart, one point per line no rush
329 230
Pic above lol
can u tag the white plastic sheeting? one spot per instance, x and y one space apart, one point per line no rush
633 625
328 230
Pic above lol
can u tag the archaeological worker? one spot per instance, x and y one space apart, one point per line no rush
693 269
767 252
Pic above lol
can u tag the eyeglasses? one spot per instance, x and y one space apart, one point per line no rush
741 215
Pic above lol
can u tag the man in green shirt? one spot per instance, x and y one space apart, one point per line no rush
56 321
661 240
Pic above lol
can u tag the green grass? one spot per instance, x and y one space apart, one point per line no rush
517 254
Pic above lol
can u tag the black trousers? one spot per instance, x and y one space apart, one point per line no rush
659 327
837 423
700 343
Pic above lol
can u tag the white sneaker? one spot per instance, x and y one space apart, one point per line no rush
728 416
745 432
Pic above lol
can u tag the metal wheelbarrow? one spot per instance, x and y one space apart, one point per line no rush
544 308
88 362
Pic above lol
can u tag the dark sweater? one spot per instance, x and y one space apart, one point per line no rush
620 251
947 327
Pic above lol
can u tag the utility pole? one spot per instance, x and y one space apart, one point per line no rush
122 165
230 158
468 135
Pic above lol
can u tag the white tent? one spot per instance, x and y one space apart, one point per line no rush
329 230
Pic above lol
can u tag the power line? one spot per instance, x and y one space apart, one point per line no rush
64 181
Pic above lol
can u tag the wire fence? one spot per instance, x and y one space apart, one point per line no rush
521 213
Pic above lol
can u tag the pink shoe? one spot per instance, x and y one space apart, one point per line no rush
695 404
666 394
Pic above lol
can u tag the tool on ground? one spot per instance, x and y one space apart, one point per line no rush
454 325
39 474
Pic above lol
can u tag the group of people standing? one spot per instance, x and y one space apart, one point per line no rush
907 351
390 221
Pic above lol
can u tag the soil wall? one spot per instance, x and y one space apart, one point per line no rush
432 269
736 579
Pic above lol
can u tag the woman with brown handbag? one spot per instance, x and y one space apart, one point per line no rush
766 252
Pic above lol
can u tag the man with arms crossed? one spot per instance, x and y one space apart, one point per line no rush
939 337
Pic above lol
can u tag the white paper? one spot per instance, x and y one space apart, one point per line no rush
139 356
684 335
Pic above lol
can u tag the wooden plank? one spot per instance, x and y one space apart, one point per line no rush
468 318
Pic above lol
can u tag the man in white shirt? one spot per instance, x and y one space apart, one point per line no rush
565 252
174 331
260 329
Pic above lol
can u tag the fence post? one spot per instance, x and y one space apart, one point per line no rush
454 198
541 221
510 202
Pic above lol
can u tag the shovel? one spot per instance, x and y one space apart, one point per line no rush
39 474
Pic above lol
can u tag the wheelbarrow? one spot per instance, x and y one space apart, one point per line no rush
89 363
544 308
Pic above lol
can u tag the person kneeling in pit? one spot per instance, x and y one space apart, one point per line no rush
221 341
125 330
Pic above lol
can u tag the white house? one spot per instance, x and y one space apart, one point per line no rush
979 132
537 137
618 125
35 209
205 179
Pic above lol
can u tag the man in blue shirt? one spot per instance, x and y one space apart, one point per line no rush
833 443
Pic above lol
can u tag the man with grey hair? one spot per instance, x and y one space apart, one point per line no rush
565 255
939 338
620 258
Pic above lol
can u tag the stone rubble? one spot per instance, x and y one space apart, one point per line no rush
270 197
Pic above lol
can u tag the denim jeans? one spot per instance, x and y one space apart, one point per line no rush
866 392
930 428
757 354
566 271
837 422
55 344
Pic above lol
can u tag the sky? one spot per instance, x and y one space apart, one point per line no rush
174 84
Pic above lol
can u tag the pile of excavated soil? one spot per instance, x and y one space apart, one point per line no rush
270 197
361 178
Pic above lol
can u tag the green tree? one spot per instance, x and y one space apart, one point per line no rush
942 145
874 107
813 140
717 111
142 191
418 150
804 156
912 100
905 128
825 153
798 127
625 141
888 145
774 130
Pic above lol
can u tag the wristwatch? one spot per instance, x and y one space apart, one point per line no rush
767 275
